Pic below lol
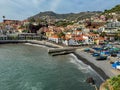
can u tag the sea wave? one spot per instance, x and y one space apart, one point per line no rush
83 67
36 45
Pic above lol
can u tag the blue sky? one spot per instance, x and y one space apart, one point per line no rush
22 9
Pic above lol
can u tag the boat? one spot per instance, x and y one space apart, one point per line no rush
113 55
86 49
95 54
101 58
116 65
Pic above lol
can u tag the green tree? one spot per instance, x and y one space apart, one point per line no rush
115 82
31 20
103 34
63 23
61 35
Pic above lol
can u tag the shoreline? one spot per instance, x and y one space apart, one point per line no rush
94 67
81 58
101 74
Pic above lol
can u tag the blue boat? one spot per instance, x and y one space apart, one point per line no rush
116 65
97 49
86 50
95 54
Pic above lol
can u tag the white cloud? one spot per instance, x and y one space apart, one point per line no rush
36 2
54 4
21 9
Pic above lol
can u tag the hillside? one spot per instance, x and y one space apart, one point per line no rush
69 16
111 84
115 9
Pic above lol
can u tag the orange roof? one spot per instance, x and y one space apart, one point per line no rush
78 31
79 38
100 38
54 36
92 34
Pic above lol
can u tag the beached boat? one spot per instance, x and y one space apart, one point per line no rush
101 58
86 49
113 55
97 48
95 54
116 65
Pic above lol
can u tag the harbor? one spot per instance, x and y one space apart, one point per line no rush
59 45
31 67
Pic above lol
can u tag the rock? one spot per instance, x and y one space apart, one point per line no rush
90 80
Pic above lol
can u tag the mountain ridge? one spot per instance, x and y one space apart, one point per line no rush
67 16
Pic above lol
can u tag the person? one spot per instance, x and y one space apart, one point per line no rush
108 58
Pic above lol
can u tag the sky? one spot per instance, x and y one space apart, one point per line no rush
22 9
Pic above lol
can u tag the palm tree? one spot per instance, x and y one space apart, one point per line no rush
3 18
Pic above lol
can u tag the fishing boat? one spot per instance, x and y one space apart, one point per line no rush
102 57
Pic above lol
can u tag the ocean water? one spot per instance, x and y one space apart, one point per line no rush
30 67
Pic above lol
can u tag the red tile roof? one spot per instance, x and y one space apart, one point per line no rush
79 38
54 36
100 38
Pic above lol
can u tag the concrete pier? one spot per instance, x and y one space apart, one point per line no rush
54 50
61 53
